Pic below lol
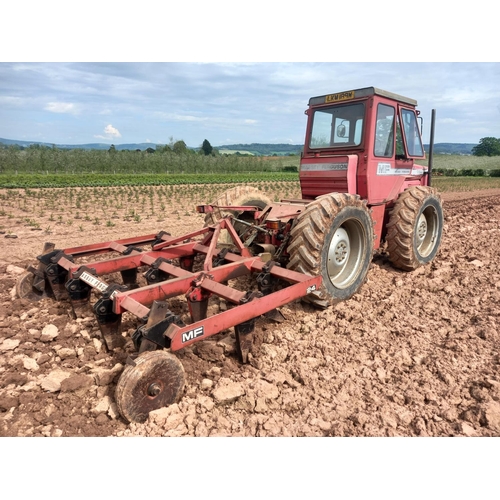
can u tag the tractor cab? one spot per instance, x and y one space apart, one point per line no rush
363 142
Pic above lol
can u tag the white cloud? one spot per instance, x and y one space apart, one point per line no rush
251 122
110 133
61 107
109 130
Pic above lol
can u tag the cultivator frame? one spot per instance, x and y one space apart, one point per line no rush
60 276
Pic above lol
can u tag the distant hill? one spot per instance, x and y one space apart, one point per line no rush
286 149
451 148
97 145
257 149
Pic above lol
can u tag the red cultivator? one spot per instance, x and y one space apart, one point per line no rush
166 280
361 186
191 265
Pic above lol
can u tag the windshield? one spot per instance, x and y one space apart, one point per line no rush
337 126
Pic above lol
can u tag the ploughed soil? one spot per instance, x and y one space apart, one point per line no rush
412 354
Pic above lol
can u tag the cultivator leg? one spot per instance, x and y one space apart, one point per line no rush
79 294
109 322
244 331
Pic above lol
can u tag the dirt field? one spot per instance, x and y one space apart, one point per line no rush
413 354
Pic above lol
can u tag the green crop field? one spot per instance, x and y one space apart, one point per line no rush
45 167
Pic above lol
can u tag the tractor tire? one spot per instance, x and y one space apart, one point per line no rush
415 228
333 238
237 196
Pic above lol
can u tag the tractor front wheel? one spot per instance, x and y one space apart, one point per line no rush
333 237
415 228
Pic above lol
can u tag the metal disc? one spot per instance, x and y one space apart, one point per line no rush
155 381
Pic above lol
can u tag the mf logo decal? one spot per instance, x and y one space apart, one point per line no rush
387 169
193 334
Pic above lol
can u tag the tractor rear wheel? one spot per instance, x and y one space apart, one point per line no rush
415 228
155 380
237 196
333 237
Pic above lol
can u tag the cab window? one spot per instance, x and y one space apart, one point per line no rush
337 126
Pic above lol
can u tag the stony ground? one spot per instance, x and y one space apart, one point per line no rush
413 354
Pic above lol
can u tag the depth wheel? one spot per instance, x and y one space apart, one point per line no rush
237 196
157 380
333 237
415 228
25 290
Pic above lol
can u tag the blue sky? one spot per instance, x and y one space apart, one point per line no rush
47 95
77 103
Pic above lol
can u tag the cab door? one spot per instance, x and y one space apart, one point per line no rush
408 140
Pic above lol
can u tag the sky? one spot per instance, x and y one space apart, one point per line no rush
232 76
228 103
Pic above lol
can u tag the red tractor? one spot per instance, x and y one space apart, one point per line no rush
359 171
360 187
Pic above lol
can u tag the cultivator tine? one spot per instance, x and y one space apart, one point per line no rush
265 282
244 331
129 277
244 338
197 298
159 311
79 295
275 315
109 322
151 336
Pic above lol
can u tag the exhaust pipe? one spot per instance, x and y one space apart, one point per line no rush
431 148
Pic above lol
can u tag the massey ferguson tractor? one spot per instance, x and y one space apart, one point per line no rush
361 187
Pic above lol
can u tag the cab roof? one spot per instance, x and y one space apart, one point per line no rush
358 93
